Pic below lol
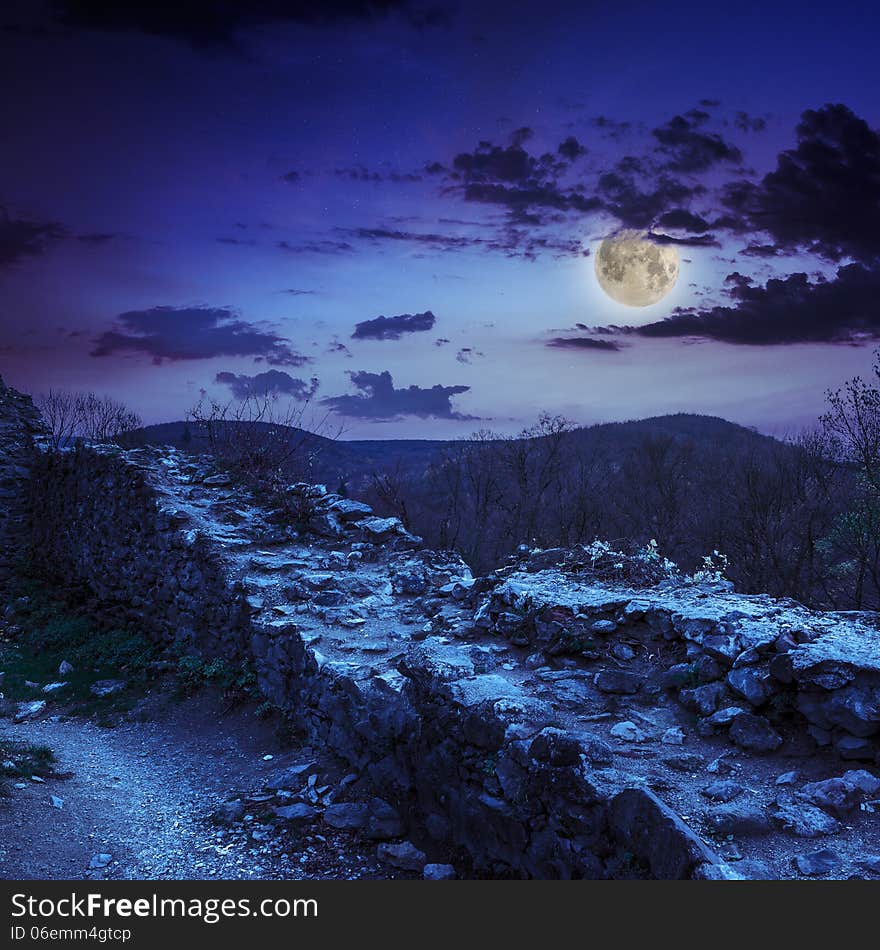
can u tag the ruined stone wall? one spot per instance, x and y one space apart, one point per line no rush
101 531
19 423
474 764
532 722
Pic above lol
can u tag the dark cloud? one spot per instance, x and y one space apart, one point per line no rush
437 242
513 242
237 242
520 135
785 310
571 149
520 200
489 162
637 206
291 177
824 195
441 341
755 249
337 346
216 23
582 343
689 148
361 173
693 240
271 383
194 333
97 239
511 177
296 292
392 328
611 127
318 246
20 238
467 354
378 399
683 220
749 123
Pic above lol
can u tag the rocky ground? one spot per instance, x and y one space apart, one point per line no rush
182 790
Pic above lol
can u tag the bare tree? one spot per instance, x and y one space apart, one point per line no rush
262 437
852 423
72 416
61 414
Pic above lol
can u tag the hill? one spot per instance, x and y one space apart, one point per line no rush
355 462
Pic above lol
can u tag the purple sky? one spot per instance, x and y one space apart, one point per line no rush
392 211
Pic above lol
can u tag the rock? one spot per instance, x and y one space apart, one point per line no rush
673 736
704 700
870 862
348 510
708 669
100 861
738 818
753 869
379 529
723 790
299 812
227 813
787 778
107 687
628 732
654 835
863 780
53 687
65 669
217 481
404 855
801 817
596 751
350 816
685 762
30 710
854 748
817 863
750 684
293 776
439 872
618 681
854 708
724 717
384 821
603 626
753 732
841 795
56 802
556 747
677 676
833 795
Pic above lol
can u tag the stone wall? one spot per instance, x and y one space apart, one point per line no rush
475 763
102 532
19 423
539 722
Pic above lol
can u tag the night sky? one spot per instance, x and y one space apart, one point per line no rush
390 210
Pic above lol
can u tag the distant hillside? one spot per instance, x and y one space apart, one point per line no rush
355 462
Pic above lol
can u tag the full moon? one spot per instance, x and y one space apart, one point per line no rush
635 271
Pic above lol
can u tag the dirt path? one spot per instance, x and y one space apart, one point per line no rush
142 792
